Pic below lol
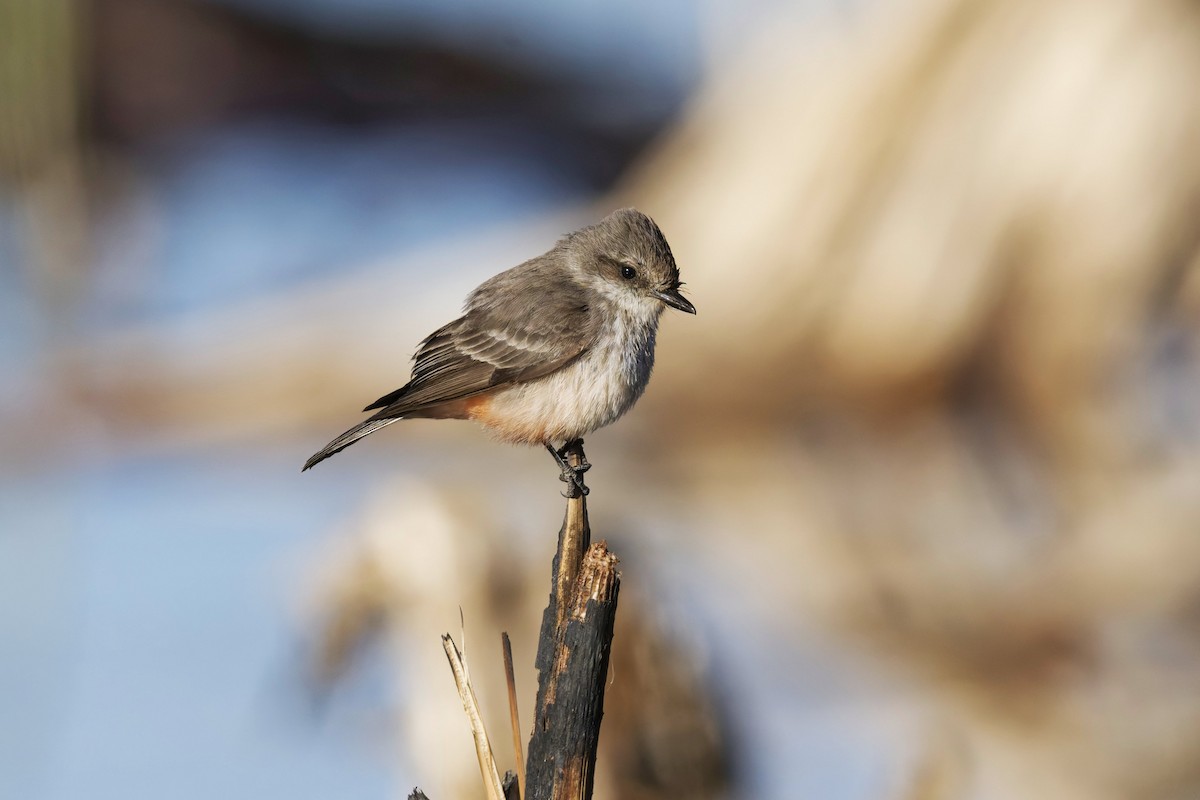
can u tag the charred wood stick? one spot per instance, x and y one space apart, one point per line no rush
574 538
562 750
572 661
512 790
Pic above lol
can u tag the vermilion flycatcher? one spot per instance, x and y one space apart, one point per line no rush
550 350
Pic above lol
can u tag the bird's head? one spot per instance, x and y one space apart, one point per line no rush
626 257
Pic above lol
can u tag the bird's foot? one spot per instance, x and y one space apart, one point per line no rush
575 485
571 475
575 445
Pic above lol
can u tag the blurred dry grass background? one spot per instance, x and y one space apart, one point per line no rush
419 549
941 392
950 273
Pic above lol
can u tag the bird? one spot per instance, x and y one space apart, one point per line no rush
548 351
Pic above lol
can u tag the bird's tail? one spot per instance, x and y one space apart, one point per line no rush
348 438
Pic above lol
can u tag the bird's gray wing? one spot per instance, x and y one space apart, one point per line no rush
516 337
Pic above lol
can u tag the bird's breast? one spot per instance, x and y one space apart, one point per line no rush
590 393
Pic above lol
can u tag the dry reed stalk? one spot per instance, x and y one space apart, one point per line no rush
513 713
483 748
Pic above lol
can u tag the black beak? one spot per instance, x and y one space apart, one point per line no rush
674 299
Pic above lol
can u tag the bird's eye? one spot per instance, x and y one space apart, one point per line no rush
628 273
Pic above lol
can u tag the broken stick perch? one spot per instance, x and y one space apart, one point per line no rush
572 661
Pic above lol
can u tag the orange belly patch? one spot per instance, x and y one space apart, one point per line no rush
515 428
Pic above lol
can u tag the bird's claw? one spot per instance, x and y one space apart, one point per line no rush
563 452
571 475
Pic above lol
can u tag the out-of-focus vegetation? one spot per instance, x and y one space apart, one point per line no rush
950 368
940 399
41 152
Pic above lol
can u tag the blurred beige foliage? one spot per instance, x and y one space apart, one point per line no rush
420 555
945 267
941 391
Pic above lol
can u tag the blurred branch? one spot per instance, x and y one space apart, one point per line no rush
40 150
40 83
